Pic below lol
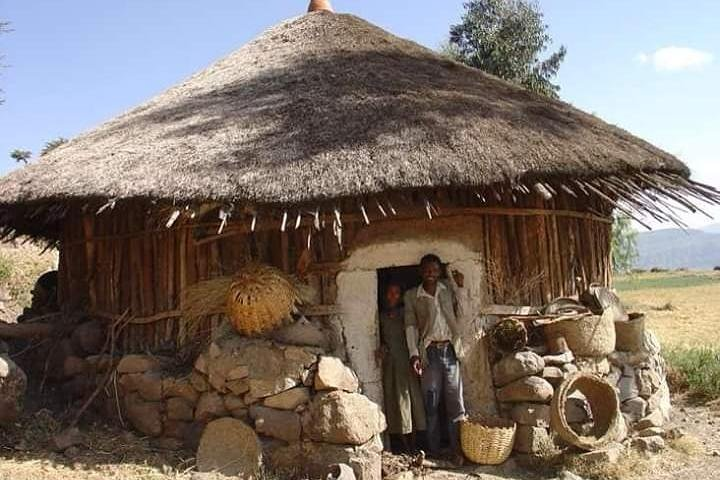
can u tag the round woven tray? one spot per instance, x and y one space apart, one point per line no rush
630 333
605 407
487 441
586 335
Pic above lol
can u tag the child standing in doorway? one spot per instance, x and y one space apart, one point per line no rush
404 407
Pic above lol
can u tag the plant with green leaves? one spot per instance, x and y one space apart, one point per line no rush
507 38
52 145
624 244
20 155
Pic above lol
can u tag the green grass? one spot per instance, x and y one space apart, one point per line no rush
696 370
664 280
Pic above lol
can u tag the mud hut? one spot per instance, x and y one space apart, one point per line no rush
331 143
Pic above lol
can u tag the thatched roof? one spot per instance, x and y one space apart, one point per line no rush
325 106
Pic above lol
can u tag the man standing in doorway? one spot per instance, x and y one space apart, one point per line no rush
434 316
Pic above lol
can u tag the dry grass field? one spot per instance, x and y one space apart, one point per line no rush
683 308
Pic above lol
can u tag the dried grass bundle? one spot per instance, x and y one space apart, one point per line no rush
260 298
202 300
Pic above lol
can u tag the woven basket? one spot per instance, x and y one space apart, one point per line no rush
260 298
487 441
630 333
604 405
586 335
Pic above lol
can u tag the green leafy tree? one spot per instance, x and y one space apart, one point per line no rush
52 145
21 156
624 244
507 38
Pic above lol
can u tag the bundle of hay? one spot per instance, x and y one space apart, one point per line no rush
260 298
202 300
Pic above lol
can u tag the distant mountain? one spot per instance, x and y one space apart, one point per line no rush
675 248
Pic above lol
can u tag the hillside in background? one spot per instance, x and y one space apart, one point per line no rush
675 248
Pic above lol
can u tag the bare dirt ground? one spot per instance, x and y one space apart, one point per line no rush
680 314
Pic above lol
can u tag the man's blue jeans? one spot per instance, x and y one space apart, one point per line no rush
441 381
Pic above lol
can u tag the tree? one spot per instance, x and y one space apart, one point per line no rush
20 155
624 244
52 145
506 38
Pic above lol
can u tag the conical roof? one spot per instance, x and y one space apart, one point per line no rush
328 105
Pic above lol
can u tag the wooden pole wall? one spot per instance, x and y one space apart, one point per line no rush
105 270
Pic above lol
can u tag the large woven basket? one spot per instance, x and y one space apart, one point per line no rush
630 333
586 335
260 297
604 405
486 440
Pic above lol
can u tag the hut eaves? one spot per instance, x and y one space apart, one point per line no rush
328 105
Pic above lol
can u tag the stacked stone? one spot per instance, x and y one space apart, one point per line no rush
640 379
304 406
525 383
524 396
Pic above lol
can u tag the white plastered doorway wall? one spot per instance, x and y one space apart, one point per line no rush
357 298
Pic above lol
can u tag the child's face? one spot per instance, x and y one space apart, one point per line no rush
393 296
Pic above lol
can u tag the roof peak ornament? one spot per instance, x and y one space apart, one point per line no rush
317 5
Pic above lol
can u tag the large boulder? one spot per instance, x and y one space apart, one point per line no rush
229 447
210 406
531 414
313 460
138 364
528 389
532 439
13 383
343 418
148 385
333 374
145 416
279 424
517 365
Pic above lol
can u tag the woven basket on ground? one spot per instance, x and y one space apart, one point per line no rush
260 298
586 335
604 405
487 441
630 333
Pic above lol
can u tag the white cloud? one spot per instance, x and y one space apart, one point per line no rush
676 58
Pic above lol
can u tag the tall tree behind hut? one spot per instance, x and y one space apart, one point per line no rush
507 38
624 244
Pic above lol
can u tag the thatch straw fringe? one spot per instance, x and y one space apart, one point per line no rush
328 106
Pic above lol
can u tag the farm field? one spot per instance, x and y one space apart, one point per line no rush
683 308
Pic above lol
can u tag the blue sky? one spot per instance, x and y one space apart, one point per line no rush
650 66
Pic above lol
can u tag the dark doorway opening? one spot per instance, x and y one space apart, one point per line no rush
393 336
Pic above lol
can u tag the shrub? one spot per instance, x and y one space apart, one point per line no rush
696 370
20 267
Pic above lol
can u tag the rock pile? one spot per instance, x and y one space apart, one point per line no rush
303 406
525 383
641 379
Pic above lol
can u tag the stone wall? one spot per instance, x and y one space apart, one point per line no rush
526 381
304 405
